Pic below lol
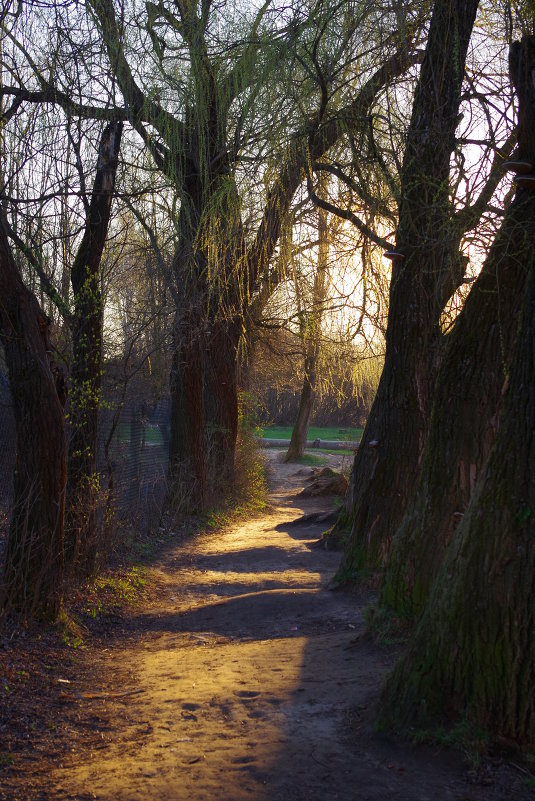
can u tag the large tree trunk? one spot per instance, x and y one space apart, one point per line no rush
204 413
467 399
187 445
209 326
86 370
423 278
33 576
221 399
473 654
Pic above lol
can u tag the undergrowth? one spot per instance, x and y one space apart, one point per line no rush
104 596
249 497
385 627
122 585
465 736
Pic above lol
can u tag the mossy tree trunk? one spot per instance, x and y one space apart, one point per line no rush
204 373
81 539
187 445
473 653
424 277
226 309
467 399
204 392
33 576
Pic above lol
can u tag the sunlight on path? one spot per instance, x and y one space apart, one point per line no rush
216 668
246 679
209 725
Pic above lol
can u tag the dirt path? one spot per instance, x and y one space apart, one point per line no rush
246 678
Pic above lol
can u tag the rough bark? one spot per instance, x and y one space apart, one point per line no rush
468 395
187 445
86 368
204 407
204 332
225 328
33 575
221 400
206 342
389 457
473 654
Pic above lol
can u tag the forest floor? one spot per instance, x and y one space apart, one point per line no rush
239 675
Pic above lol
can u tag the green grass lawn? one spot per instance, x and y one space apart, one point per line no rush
333 434
312 460
152 434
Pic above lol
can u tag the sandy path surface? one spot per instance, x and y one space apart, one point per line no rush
247 678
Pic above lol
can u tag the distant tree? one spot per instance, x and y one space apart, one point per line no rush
310 332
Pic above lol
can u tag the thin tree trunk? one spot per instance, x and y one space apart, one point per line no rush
86 370
33 577
389 458
298 440
312 335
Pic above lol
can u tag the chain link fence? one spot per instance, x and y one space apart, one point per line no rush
137 456
7 453
133 445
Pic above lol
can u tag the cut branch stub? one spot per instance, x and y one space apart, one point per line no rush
393 255
525 181
520 167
